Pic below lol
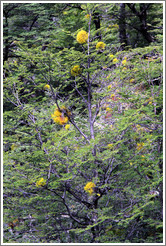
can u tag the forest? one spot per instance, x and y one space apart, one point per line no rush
83 122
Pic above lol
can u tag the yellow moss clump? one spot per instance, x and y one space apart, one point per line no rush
56 113
109 87
111 56
124 62
62 120
76 70
82 37
115 60
67 126
65 12
46 87
131 80
125 68
41 182
110 146
140 146
89 187
100 46
108 109
87 16
59 117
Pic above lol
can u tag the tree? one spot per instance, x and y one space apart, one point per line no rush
122 26
83 138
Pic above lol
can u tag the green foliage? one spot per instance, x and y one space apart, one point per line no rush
114 140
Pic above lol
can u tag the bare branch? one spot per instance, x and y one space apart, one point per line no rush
80 93
97 111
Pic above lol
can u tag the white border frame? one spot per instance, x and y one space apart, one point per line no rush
105 1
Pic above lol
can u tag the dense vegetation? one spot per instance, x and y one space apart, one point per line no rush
83 107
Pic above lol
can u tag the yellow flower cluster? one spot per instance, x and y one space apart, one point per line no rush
59 117
41 183
87 16
67 126
100 46
89 187
150 100
65 13
124 62
108 109
110 146
46 87
76 70
124 69
115 60
82 37
140 146
111 56
131 80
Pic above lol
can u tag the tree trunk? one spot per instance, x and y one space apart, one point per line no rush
122 26
143 19
6 41
96 20
142 15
